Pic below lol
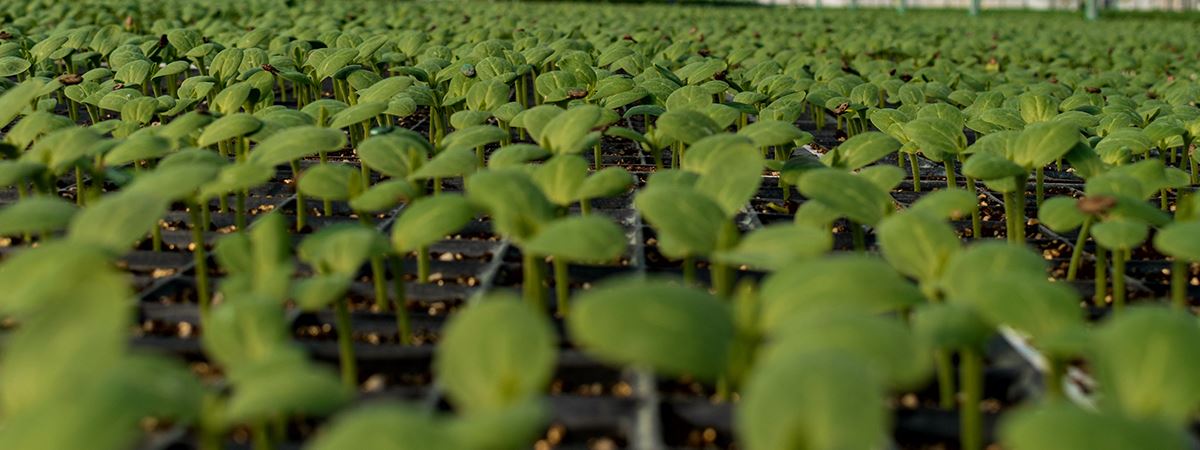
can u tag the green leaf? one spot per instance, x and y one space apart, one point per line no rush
229 127
516 155
917 244
688 97
952 326
1061 214
495 354
386 427
884 176
608 182
788 405
568 133
688 222
13 65
395 155
835 283
1178 240
672 329
776 246
1042 143
579 239
338 182
1119 145
1037 108
341 249
140 147
35 215
296 143
174 182
989 166
730 169
951 204
517 426
864 149
1057 426
117 221
686 125
237 177
317 292
283 386
1147 362
560 178
429 219
850 195
384 196
938 139
536 119
1032 304
967 267
248 331
1120 233
885 343
450 163
517 206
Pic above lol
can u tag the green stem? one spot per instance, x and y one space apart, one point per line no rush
1041 185
300 213
1077 251
585 206
532 283
945 379
1101 277
200 258
345 337
1053 378
78 186
400 304
689 270
1179 279
562 287
1118 279
423 264
916 172
262 436
596 160
951 177
976 222
857 235
970 415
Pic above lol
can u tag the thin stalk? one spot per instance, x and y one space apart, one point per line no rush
262 436
1077 251
658 159
1118 279
200 258
858 237
970 416
423 264
400 303
156 237
345 339
562 287
596 160
300 213
916 172
1179 273
976 222
1053 378
1163 203
585 206
377 273
1101 277
951 176
78 186
689 271
1040 190
532 283
945 379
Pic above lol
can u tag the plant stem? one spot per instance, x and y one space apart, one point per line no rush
1118 279
78 186
689 270
1179 273
1101 277
1040 189
585 206
970 416
857 235
345 337
562 287
1077 251
422 264
300 213
916 172
951 177
200 258
262 436
1055 368
945 379
532 284
400 304
596 160
976 223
